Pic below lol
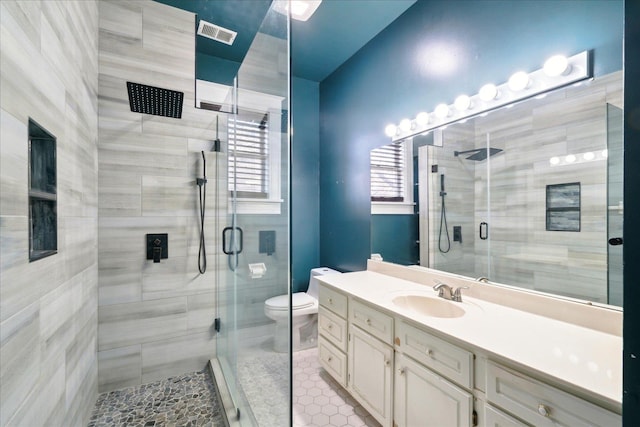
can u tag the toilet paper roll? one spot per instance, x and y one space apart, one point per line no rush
257 270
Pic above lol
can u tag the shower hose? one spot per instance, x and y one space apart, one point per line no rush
443 219
202 190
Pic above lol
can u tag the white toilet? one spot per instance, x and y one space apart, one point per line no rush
304 330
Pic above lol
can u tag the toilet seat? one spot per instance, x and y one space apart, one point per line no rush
299 301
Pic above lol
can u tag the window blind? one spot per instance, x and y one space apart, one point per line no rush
387 173
248 155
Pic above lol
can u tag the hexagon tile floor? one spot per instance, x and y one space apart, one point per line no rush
320 401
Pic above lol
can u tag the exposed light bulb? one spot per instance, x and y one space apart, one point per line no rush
422 118
588 156
556 66
390 130
519 81
298 7
462 103
405 125
442 111
570 158
554 161
488 92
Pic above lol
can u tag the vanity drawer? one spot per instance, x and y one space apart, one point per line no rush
541 404
495 418
446 359
333 360
370 320
334 301
333 328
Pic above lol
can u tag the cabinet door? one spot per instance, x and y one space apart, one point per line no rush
423 398
370 380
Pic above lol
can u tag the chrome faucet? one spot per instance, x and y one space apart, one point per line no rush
445 291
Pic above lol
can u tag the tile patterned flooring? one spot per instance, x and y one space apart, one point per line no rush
319 401
187 400
190 399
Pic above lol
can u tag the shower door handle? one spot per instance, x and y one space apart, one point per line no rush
484 230
232 250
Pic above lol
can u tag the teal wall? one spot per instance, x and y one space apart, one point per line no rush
305 172
215 69
432 53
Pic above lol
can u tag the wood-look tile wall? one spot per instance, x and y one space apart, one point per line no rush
523 252
48 308
154 320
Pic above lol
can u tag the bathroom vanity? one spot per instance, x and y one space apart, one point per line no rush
500 357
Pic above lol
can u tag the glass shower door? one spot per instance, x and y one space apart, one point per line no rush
255 236
615 195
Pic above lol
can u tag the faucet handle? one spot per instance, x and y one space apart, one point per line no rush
457 293
444 290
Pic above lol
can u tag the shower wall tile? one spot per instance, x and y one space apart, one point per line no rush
13 165
122 325
48 308
119 368
120 194
160 359
20 355
148 165
199 316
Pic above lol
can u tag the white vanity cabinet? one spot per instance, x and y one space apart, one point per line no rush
370 360
332 328
424 398
426 368
541 404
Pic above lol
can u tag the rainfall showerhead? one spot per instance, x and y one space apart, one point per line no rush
155 100
479 153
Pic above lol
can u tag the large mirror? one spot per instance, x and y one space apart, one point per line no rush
529 195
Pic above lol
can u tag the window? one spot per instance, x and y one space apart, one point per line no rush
43 216
249 155
392 178
254 162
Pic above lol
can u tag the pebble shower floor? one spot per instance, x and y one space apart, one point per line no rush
187 400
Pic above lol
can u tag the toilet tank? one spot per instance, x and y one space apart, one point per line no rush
313 281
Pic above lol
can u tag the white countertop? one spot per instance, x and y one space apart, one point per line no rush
584 360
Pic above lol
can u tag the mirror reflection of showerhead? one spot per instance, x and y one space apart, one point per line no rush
479 154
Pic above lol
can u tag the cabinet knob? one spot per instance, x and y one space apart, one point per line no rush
330 326
401 371
329 359
368 321
543 410
387 362
330 300
429 352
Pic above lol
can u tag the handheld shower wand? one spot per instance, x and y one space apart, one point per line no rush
202 191
443 219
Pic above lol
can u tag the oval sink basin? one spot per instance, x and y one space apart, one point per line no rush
428 306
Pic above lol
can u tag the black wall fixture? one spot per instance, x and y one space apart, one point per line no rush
157 246
155 100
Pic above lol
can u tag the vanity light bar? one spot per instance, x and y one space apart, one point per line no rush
491 97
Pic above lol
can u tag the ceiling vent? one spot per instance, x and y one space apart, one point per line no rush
215 32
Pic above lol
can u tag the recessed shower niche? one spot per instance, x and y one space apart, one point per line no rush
43 216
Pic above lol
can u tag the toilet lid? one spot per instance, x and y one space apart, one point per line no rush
281 302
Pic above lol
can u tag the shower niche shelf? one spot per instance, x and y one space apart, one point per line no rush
43 213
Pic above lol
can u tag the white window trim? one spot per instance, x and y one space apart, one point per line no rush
406 206
259 102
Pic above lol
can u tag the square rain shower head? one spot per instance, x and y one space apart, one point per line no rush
155 100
